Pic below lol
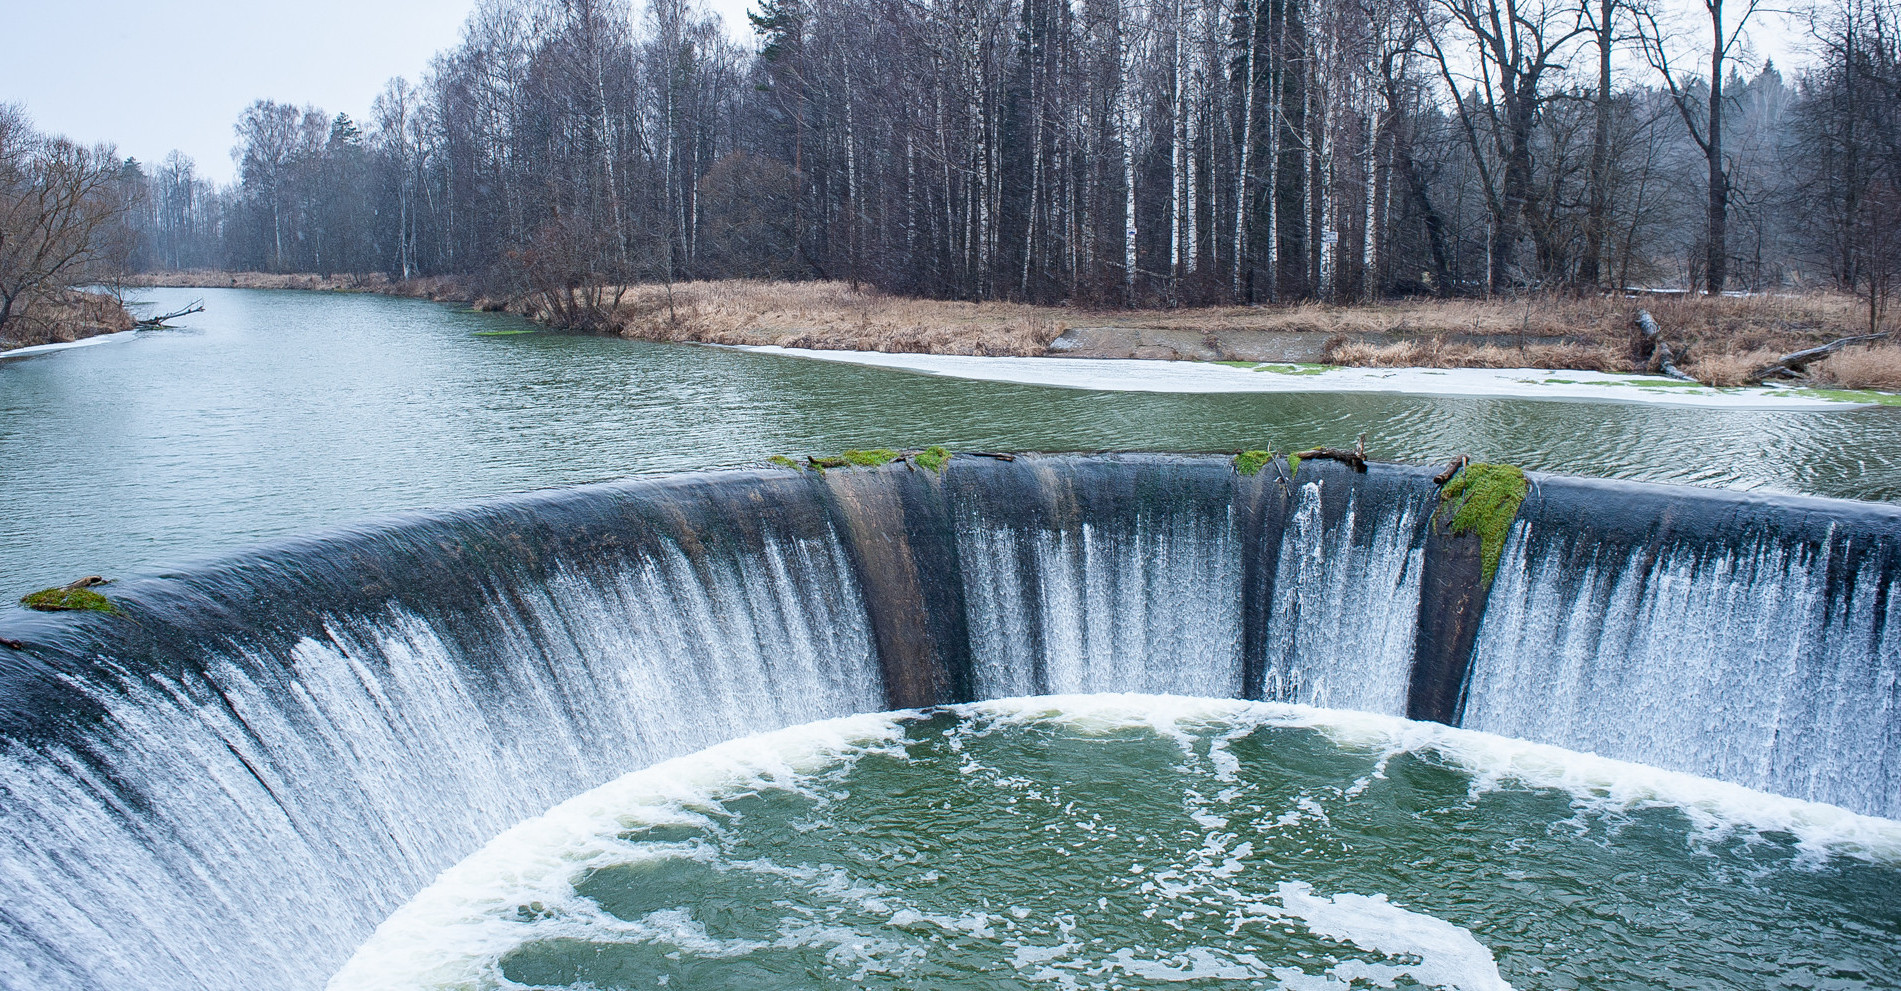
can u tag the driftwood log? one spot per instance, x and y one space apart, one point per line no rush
196 306
1795 365
1651 346
1451 469
1355 459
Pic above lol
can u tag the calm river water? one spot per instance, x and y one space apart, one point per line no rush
274 413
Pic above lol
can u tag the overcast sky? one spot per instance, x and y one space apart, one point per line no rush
153 75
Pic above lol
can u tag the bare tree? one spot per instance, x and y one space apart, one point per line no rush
1707 132
1512 48
62 212
1603 27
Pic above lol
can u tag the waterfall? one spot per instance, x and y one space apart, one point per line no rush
1346 598
1737 647
1080 583
230 784
244 820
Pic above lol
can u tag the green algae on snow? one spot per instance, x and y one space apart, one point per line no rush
1278 368
1483 499
1868 397
68 599
1251 462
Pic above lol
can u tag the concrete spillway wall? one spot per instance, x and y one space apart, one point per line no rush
229 782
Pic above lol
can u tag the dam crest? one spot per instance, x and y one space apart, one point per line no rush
229 783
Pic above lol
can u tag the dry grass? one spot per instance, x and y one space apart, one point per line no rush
1863 368
832 315
1728 368
1438 352
70 316
440 288
1598 318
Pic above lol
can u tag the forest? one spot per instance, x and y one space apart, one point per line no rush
1104 152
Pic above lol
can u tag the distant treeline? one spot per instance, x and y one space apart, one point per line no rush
1111 151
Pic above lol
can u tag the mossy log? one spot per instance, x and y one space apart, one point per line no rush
76 597
932 458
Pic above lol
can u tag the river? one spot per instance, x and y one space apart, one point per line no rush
276 413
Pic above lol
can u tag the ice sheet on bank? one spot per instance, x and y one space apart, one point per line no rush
1154 375
123 335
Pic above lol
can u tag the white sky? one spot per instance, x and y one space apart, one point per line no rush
153 75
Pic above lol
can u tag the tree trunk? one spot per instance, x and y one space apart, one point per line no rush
1717 263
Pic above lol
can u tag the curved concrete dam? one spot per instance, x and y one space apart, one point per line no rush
229 783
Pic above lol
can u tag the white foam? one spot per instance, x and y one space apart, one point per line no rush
1494 762
1151 375
455 931
1449 956
450 934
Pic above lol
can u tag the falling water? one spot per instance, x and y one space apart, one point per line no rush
232 783
244 821
1346 599
1760 654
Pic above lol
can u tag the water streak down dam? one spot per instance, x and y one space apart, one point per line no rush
230 784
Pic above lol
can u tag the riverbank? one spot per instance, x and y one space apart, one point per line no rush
71 318
1243 377
440 288
1716 340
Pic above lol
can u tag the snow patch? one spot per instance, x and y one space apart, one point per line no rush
1196 377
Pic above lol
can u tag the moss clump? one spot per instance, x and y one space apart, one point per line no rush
68 600
781 461
1483 499
1293 464
871 458
934 458
1251 462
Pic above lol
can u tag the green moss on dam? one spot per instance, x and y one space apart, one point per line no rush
68 599
1483 499
1251 462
